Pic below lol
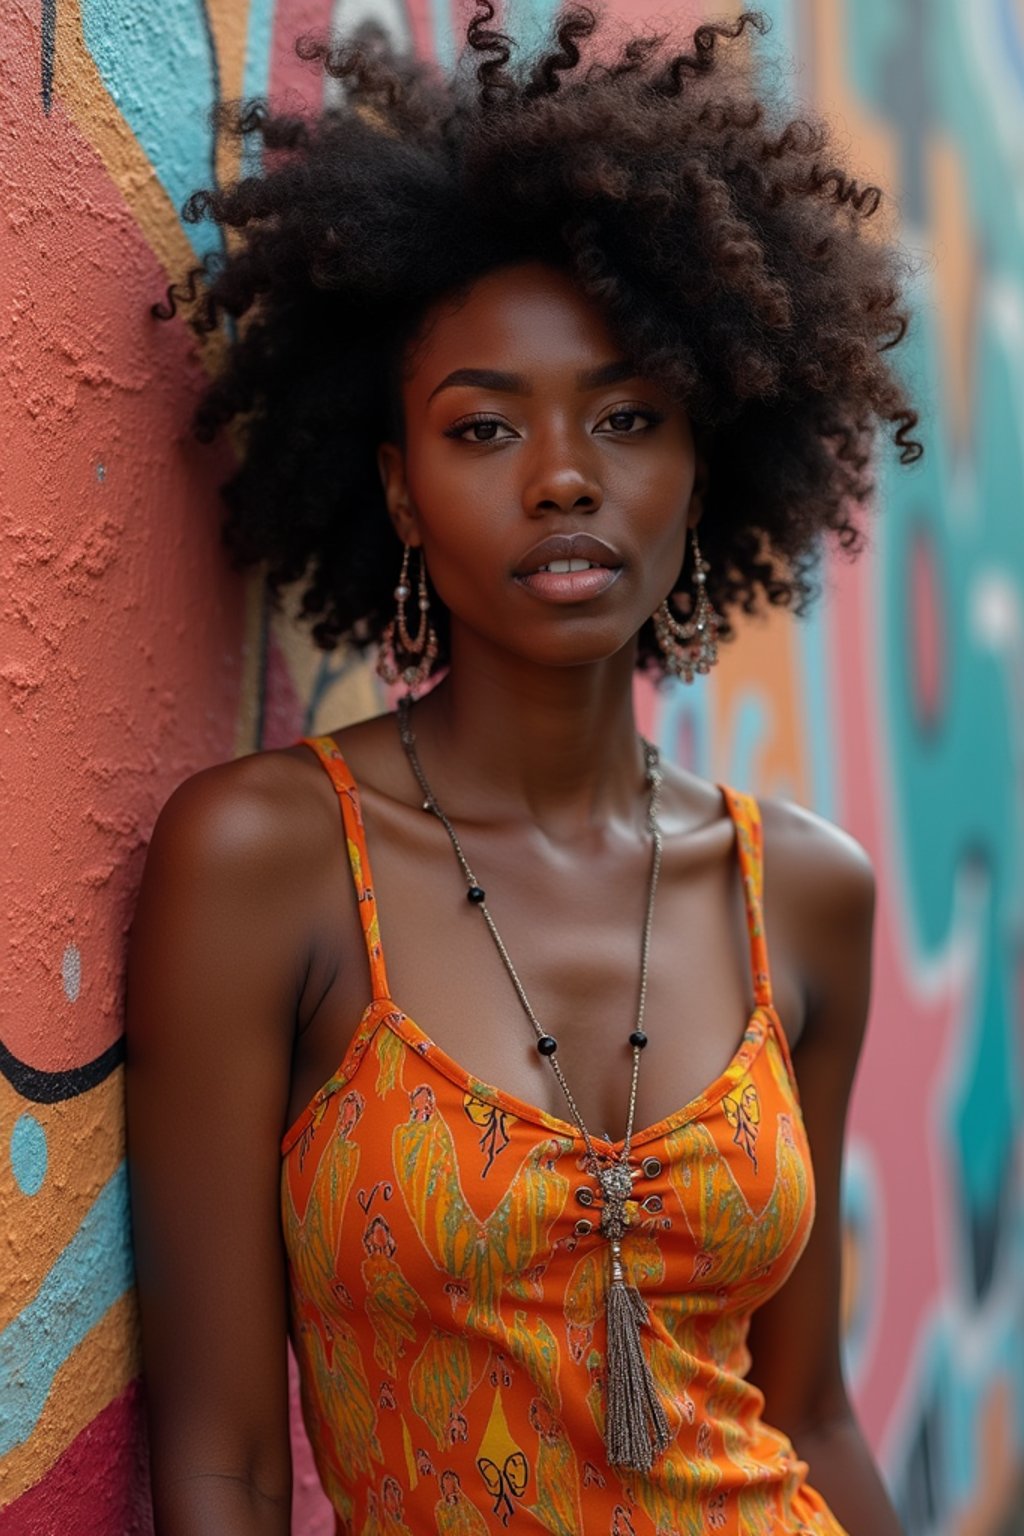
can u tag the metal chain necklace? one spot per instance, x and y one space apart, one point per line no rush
636 1429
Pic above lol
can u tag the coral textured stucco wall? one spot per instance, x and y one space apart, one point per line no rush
130 656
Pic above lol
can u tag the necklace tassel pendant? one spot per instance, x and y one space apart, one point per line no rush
636 1429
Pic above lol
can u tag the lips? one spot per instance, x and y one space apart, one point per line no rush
573 547
569 568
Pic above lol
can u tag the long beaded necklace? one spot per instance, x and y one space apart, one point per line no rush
636 1429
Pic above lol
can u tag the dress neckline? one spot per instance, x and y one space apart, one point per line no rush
382 1008
385 1013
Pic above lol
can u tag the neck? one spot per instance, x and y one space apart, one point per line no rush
501 739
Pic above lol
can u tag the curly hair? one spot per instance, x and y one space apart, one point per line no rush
724 246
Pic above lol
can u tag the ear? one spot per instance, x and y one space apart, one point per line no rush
391 468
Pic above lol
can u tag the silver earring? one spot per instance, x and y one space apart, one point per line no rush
402 655
690 645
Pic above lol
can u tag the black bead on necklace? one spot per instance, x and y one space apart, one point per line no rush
636 1429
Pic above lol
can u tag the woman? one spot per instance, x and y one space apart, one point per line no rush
543 370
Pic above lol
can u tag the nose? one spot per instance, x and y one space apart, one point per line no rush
561 480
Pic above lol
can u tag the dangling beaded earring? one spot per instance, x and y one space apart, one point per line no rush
401 655
691 645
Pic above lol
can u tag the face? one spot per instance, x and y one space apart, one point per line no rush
549 485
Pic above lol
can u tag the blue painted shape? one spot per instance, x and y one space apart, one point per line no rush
969 115
445 46
953 788
256 73
530 21
985 1109
779 50
1012 36
258 39
29 1154
685 717
813 661
974 527
159 67
860 1202
94 1270
951 1394
871 32
942 828
749 731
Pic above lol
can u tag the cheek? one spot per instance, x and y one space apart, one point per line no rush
658 497
447 486
465 506
458 521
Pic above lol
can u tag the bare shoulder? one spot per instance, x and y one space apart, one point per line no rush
819 899
263 814
226 915
817 857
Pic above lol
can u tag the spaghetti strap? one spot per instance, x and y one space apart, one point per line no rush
746 816
359 860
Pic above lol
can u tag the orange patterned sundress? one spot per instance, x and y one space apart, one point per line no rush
448 1319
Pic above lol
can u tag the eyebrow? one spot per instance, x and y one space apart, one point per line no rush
518 384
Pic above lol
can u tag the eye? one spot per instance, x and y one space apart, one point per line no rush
483 428
624 418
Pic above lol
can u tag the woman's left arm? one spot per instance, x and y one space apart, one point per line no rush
821 889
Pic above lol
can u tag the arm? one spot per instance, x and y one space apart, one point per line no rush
216 962
825 885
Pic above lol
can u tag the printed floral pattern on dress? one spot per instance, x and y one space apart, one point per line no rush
492 1123
448 1316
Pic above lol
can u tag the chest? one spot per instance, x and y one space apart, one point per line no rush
571 921
405 1156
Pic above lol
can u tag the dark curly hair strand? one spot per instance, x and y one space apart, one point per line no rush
724 247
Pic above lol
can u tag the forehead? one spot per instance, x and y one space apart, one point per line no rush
529 318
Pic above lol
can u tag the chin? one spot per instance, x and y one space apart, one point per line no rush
581 651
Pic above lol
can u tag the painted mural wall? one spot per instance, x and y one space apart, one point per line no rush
129 657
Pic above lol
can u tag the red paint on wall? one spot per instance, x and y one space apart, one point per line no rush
120 628
287 71
103 1472
926 638
910 1030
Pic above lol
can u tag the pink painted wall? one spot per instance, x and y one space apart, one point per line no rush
120 671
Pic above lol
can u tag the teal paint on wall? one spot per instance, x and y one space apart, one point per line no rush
259 36
158 64
29 1154
922 71
919 70
92 1272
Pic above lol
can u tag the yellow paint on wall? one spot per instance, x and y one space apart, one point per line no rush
85 1144
956 274
997 1484
356 696
353 695
764 660
228 21
873 147
78 84
90 1379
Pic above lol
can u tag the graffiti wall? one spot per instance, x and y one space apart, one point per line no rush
909 690
130 656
